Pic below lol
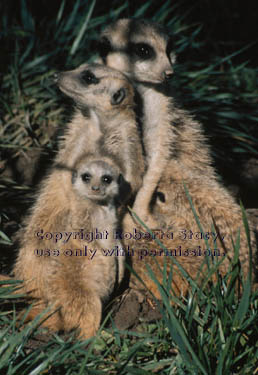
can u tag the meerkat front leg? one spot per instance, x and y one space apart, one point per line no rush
158 139
143 199
75 294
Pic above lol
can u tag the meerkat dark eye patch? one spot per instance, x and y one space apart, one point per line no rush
86 177
142 50
104 47
106 179
118 96
89 78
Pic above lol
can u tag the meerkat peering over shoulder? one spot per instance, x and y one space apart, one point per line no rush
142 50
176 151
139 48
104 119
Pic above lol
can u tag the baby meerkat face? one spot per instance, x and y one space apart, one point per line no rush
97 86
139 48
96 180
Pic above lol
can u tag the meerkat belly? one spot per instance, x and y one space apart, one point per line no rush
112 252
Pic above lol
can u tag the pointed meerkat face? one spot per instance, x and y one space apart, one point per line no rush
96 180
139 48
97 86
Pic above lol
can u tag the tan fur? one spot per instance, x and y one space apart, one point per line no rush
74 283
100 129
135 31
157 136
111 128
104 216
176 152
159 139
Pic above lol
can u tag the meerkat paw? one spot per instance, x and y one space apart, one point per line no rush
84 314
147 219
150 222
50 319
131 221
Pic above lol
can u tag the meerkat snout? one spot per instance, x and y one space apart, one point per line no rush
96 180
168 74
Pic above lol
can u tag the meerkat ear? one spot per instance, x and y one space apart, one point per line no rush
118 96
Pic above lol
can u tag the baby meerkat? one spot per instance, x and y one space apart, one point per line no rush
72 274
104 128
176 153
101 182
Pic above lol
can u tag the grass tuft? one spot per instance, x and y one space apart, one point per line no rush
212 331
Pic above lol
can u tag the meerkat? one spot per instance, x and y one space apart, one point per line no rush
73 276
103 126
176 153
142 51
101 182
104 119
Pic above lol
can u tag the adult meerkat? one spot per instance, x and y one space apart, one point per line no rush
104 125
104 119
142 51
176 151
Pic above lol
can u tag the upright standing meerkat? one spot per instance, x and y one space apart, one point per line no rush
177 153
104 119
101 145
59 266
142 51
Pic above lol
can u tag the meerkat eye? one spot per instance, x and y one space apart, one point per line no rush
118 96
86 177
106 179
89 78
143 50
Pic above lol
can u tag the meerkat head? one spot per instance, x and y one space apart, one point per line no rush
97 180
97 86
139 48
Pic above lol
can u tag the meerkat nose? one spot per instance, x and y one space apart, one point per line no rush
168 73
95 188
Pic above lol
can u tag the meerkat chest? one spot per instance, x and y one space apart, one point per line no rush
105 221
155 118
154 105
